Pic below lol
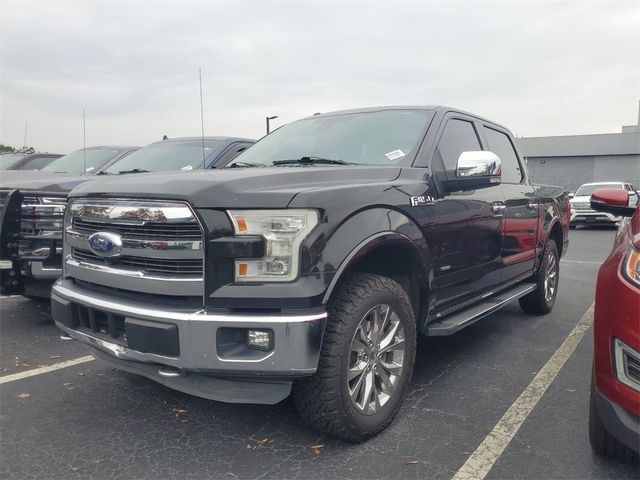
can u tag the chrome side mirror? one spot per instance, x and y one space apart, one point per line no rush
478 164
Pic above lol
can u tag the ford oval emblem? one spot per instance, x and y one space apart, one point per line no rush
105 244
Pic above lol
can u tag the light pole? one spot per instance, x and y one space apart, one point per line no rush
268 119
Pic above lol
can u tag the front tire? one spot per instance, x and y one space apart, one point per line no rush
366 360
542 299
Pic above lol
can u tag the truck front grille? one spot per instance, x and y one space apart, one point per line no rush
159 246
583 206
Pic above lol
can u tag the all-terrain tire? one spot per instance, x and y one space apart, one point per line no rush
323 399
602 442
538 302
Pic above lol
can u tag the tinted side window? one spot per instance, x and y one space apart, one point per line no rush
500 144
458 136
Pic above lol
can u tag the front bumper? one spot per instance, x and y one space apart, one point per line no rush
624 426
192 350
588 217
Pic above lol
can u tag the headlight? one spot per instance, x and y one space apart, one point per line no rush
631 265
283 231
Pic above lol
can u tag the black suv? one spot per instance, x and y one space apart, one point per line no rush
312 261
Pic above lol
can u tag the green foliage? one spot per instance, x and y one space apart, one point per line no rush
10 149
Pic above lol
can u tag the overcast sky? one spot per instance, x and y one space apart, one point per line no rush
540 68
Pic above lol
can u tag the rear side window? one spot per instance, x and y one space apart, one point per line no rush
500 144
458 136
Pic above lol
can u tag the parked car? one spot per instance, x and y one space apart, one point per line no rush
313 261
583 214
32 161
614 417
31 233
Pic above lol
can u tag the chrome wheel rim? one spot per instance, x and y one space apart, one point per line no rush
376 359
551 277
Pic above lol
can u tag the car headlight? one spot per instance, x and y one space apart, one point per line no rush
631 265
283 231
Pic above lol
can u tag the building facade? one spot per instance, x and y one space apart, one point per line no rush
572 160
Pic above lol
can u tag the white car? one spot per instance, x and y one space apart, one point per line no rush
581 212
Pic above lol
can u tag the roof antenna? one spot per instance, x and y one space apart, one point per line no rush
84 142
204 166
26 123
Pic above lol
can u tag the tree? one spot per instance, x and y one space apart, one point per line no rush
10 149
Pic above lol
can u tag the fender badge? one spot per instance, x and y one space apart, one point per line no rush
422 200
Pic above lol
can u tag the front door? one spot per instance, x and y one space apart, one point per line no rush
464 230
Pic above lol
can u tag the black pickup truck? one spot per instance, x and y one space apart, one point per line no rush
32 203
310 264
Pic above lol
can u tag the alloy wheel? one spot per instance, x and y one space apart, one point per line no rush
376 359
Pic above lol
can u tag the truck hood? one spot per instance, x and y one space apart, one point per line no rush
41 181
269 187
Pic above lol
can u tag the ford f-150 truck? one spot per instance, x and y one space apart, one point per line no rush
311 263
31 222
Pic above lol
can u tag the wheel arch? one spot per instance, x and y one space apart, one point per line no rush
400 253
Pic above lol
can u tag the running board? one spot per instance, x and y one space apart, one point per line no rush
455 322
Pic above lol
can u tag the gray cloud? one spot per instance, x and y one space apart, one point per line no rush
538 67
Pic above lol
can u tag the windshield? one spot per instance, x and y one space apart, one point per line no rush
587 190
367 138
74 162
167 155
8 159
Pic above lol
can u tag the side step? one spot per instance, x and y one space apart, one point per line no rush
457 321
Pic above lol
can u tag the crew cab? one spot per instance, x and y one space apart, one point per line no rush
31 228
583 214
614 415
312 261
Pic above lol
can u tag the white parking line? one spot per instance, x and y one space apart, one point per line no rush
482 460
39 371
586 262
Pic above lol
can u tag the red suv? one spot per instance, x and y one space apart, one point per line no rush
614 417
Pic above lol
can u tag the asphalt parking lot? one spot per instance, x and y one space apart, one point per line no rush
90 421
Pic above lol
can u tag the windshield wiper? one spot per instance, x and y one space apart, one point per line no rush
310 161
245 164
134 170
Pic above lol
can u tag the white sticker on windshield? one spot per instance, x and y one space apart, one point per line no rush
89 169
395 154
187 167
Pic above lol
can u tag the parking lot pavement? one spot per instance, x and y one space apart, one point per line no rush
89 421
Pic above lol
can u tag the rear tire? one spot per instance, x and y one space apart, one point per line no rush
542 299
363 370
602 442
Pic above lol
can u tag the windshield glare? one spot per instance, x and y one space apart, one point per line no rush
74 162
587 190
369 138
167 156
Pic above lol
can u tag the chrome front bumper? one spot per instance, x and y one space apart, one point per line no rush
297 339
591 216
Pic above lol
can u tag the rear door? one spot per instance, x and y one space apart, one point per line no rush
521 215
465 228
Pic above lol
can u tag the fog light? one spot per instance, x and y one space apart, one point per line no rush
260 339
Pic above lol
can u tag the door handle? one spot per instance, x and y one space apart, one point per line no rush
498 209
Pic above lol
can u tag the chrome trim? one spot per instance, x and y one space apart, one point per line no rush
620 350
39 271
170 249
129 272
478 164
131 211
198 316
